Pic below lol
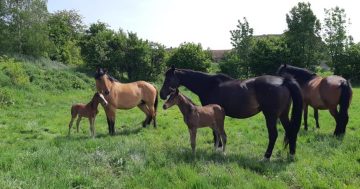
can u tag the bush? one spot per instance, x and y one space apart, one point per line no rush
15 71
190 56
6 98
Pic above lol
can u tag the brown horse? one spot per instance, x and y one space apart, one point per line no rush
126 96
211 115
322 93
88 110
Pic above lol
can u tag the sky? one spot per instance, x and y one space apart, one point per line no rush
172 22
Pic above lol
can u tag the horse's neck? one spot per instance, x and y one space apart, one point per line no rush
195 82
92 104
185 105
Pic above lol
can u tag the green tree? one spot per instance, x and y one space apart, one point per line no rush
24 26
302 36
267 54
190 56
336 36
65 30
242 41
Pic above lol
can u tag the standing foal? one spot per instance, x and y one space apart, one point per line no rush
88 110
211 115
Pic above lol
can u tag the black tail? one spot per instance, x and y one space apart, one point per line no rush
345 98
156 101
296 113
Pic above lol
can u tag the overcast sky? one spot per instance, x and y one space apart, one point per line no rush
208 22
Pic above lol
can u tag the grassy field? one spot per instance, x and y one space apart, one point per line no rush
35 151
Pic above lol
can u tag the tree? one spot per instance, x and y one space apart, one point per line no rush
267 54
335 35
236 63
302 36
65 30
190 56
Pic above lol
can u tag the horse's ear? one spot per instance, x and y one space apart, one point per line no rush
105 70
176 91
173 67
285 65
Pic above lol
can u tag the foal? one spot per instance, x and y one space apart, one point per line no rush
88 110
211 115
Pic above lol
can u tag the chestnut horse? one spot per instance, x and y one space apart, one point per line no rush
271 95
126 96
324 94
211 115
88 110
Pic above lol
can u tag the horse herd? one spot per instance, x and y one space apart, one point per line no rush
221 95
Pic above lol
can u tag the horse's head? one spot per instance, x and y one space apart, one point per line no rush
173 99
102 80
171 81
101 99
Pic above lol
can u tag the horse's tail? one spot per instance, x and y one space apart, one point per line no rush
345 99
296 113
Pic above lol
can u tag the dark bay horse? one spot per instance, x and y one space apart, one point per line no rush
271 95
324 94
126 96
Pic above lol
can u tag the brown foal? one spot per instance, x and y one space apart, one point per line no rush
88 110
211 115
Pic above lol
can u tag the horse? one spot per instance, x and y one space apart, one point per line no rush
324 93
270 95
126 96
88 110
211 115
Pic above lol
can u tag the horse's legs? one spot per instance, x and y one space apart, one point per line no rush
193 140
272 131
78 124
305 116
222 134
145 109
152 112
71 123
217 138
110 117
316 116
92 126
334 113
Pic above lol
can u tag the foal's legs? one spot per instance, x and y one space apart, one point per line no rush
305 116
193 140
222 135
92 126
316 116
78 124
272 131
71 123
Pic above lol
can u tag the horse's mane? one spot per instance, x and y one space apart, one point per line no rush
199 74
187 99
302 75
112 79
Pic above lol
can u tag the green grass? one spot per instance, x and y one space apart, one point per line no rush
35 151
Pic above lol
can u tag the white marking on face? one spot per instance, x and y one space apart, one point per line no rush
103 99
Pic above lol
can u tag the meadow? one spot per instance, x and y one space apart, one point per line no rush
35 151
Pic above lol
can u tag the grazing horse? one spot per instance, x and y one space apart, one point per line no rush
211 115
322 93
271 95
88 110
126 96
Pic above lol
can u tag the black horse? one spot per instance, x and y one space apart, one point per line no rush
322 93
242 99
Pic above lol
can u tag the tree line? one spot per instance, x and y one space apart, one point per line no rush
26 27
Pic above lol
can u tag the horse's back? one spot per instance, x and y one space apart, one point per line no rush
210 114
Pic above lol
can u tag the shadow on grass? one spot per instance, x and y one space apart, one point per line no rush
247 162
